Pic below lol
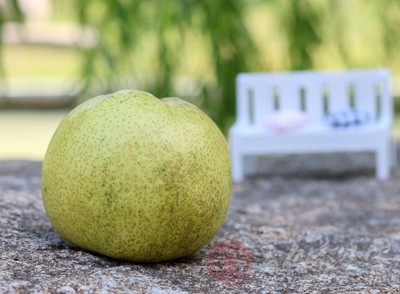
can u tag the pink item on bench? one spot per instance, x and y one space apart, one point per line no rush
285 121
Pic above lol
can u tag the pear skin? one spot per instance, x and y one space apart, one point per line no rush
137 178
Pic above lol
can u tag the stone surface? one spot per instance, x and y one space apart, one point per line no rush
302 224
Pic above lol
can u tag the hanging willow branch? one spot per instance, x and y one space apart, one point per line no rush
122 25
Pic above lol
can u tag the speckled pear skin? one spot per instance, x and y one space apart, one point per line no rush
137 178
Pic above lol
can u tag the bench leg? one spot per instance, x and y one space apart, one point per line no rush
237 167
395 157
252 164
383 161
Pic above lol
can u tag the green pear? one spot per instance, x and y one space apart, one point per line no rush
137 178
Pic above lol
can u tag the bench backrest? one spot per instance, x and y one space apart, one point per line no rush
313 92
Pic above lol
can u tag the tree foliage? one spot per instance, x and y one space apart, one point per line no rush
167 25
301 23
165 33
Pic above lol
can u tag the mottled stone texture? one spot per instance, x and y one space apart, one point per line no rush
307 224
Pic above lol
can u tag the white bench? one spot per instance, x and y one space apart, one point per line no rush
316 94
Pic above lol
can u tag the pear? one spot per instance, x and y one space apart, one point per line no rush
136 178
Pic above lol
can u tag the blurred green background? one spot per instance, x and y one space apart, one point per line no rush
54 54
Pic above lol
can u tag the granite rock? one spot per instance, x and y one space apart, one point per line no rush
298 224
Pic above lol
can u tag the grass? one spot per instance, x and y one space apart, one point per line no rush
25 134
40 61
396 127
